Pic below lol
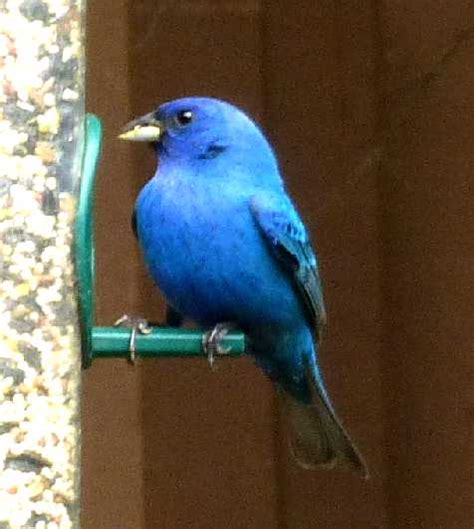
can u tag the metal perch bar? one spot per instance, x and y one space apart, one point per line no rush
113 342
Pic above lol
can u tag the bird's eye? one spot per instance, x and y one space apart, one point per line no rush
184 118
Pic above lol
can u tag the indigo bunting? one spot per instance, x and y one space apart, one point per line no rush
225 244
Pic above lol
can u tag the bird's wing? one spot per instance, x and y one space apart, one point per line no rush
286 235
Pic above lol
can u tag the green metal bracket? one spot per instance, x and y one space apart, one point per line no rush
84 240
113 342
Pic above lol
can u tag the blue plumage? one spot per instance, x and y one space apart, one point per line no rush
224 243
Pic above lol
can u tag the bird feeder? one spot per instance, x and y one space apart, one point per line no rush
41 147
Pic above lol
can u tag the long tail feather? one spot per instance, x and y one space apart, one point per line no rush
317 437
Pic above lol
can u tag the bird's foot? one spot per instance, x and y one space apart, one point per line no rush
211 342
137 325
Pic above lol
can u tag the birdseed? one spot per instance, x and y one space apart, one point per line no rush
41 117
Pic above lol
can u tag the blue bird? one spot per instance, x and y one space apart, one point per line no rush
226 246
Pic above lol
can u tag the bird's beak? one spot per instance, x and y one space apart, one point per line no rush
147 128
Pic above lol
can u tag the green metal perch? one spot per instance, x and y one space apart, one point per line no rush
114 342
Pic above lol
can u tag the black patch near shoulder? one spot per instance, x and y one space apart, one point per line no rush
213 151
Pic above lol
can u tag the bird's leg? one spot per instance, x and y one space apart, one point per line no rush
141 325
137 325
211 341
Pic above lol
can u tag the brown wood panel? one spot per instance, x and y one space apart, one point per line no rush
209 437
370 108
418 35
112 471
428 205
320 65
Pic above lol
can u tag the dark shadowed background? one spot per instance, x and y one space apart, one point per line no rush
370 107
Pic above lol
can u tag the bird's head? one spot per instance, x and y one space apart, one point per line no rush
197 130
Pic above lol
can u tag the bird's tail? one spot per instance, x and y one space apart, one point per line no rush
317 437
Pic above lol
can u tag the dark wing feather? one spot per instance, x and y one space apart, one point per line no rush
316 434
282 228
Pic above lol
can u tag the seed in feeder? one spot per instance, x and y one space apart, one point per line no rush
47 473
38 268
51 183
48 495
36 487
13 269
53 49
68 53
12 345
20 311
23 289
26 247
38 186
31 165
9 139
49 121
43 63
70 95
18 399
40 225
5 387
10 413
25 106
22 137
56 271
45 152
49 99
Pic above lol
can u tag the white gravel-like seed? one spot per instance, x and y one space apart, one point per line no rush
39 357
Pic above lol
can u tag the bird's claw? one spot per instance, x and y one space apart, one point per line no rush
211 342
137 325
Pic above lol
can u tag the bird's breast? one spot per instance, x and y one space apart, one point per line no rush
205 253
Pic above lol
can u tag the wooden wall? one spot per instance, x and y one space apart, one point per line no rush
369 105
